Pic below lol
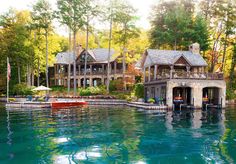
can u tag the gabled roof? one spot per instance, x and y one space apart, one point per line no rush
169 57
100 55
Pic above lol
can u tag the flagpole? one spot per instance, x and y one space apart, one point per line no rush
7 79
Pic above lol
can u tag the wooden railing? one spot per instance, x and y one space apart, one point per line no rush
99 72
186 75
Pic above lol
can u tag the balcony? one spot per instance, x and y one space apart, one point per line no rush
97 72
186 75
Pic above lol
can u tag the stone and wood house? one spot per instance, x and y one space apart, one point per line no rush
96 72
181 75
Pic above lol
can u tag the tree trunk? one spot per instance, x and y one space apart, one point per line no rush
123 58
28 75
74 62
69 66
19 77
214 48
47 83
70 47
124 68
224 54
68 80
38 73
86 53
109 55
32 78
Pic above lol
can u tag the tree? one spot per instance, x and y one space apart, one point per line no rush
14 42
73 14
172 25
124 24
42 16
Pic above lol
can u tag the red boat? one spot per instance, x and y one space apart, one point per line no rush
66 104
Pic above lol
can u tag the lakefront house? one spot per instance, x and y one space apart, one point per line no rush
96 71
181 76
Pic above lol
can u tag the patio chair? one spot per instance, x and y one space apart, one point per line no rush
36 98
46 98
29 98
157 100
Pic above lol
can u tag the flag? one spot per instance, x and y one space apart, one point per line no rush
8 70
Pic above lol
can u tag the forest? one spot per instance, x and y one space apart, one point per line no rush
31 41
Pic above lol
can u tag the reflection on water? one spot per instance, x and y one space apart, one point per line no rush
117 135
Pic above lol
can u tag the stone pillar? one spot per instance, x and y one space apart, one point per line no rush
222 95
149 73
79 82
155 72
169 94
196 95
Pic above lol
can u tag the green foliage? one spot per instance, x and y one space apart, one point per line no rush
230 95
151 100
92 91
58 88
173 26
121 95
116 85
139 90
22 89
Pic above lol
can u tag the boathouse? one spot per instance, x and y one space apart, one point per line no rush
174 76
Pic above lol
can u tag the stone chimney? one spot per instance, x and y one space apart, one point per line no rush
195 48
79 49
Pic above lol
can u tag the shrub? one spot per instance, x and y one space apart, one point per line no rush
230 95
22 89
151 100
92 91
139 90
58 88
11 99
116 85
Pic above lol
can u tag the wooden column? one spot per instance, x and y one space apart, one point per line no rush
171 71
149 73
188 70
91 70
155 72
79 70
115 67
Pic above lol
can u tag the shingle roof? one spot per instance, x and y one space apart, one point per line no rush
100 55
169 57
64 58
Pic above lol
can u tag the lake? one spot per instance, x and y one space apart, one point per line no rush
117 135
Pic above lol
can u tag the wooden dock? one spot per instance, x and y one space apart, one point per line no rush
28 104
91 102
147 106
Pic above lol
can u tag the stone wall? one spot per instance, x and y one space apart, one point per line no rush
196 89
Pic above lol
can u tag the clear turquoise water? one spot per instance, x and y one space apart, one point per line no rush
116 135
